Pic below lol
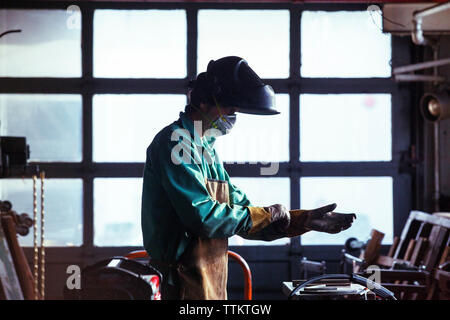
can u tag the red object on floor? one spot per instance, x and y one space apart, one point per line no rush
139 254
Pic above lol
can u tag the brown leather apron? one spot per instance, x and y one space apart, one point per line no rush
203 268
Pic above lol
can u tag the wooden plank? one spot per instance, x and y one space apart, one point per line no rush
21 264
407 257
385 261
404 234
445 256
409 250
419 232
393 246
443 278
419 251
442 214
388 260
2 292
430 218
416 258
373 247
436 240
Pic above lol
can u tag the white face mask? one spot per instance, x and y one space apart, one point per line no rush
224 123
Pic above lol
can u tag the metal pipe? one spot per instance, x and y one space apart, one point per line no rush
417 34
247 274
437 190
418 77
432 10
436 195
421 66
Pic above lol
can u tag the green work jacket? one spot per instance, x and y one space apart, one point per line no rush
176 206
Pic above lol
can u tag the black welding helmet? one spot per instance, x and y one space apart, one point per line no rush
234 83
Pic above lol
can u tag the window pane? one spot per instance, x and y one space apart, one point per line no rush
253 136
370 198
117 212
345 127
63 208
51 123
140 43
259 36
125 125
263 192
344 44
48 46
117 223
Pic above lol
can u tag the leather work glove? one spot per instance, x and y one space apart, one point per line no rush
322 219
276 216
275 222
280 217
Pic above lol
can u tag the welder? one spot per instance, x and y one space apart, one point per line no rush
189 205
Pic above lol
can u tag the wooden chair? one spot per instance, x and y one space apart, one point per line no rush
410 266
440 288
442 277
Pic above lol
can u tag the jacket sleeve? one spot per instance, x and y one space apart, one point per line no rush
237 196
182 178
265 231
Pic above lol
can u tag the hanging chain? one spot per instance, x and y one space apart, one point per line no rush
41 250
42 238
35 246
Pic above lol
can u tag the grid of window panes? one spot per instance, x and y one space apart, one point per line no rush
151 43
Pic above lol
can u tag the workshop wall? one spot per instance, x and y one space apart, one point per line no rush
445 139
268 274
424 138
